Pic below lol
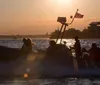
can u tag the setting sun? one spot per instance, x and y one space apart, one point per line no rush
64 2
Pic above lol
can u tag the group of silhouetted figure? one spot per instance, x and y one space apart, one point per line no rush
90 57
55 51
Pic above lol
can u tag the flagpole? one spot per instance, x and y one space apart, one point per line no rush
74 17
63 33
66 24
59 33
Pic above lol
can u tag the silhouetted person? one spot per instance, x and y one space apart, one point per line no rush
66 49
52 48
94 53
29 44
65 43
85 57
27 47
78 52
24 48
77 48
85 54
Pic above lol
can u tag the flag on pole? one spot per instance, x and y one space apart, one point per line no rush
78 15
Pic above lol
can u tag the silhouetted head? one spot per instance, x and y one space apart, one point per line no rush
64 42
24 40
94 45
29 42
76 38
52 43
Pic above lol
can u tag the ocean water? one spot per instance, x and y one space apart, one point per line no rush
42 44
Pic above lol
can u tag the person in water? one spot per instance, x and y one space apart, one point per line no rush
27 46
77 48
94 53
24 47
85 57
78 52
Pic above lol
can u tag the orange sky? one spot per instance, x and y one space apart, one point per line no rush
39 16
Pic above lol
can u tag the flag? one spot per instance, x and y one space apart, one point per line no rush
78 15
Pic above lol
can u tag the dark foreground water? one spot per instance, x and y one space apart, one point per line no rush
69 81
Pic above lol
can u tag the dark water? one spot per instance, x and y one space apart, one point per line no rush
68 81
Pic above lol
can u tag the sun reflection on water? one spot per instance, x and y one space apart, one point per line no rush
69 42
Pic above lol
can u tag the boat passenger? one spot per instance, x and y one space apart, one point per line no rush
52 48
77 47
29 44
78 53
27 47
24 47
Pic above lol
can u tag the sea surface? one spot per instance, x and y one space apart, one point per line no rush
42 44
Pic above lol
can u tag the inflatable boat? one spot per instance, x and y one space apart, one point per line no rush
40 65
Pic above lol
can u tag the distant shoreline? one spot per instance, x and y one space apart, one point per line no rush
34 36
22 36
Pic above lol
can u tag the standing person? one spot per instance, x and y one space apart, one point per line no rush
78 52
29 44
77 48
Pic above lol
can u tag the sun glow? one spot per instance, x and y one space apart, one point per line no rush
64 2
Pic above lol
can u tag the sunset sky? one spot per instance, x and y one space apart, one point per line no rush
40 16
